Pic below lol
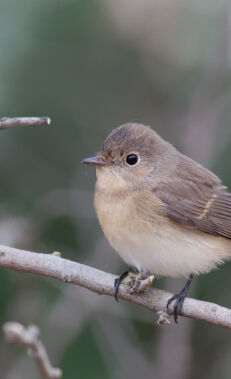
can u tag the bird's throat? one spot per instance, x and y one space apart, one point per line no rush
111 184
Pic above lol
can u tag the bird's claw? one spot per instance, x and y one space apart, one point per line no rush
180 297
118 282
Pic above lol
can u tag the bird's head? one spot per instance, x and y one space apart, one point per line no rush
131 154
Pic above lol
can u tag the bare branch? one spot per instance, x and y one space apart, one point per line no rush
6 122
155 300
17 333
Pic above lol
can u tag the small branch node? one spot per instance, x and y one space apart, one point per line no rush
139 284
56 253
163 318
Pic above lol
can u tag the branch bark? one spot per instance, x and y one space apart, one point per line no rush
17 333
155 300
6 122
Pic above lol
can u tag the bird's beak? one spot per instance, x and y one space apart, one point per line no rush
96 161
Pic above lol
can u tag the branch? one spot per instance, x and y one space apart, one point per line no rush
17 333
52 265
6 122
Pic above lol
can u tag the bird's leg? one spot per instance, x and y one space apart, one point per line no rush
138 282
180 297
119 280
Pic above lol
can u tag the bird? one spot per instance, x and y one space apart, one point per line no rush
161 211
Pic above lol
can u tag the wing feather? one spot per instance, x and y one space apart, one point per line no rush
197 201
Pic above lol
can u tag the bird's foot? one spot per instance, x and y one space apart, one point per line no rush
118 281
136 282
180 298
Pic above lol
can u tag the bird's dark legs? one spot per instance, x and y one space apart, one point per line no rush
180 297
118 282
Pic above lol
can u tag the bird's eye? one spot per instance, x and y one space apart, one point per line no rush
132 159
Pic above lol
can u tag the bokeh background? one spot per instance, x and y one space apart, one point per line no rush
90 66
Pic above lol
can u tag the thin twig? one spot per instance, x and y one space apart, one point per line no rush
6 122
17 333
103 283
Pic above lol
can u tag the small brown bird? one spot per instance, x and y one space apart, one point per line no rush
162 212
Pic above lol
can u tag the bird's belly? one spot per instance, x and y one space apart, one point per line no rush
170 252
161 247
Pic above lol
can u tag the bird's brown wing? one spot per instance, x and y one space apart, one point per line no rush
200 204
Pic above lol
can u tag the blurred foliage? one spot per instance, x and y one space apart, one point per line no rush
76 358
90 66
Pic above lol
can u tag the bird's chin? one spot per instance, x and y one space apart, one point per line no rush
110 179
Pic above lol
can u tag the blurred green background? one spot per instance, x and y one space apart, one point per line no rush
90 66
